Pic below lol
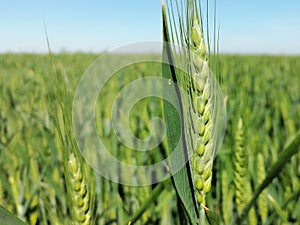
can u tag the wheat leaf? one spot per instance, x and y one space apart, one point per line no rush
181 178
7 218
211 217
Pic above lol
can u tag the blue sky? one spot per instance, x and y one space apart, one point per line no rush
252 27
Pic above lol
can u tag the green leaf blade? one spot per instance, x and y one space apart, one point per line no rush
174 132
7 218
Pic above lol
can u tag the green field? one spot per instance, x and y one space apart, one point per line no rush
36 143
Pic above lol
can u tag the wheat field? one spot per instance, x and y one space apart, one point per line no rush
37 162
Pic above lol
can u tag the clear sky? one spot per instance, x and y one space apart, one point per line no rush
256 26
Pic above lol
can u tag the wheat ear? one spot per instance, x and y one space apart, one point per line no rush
263 198
239 167
79 194
227 197
202 156
243 190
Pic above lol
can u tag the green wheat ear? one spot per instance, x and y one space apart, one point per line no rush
80 195
203 154
263 198
243 190
240 168
204 99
